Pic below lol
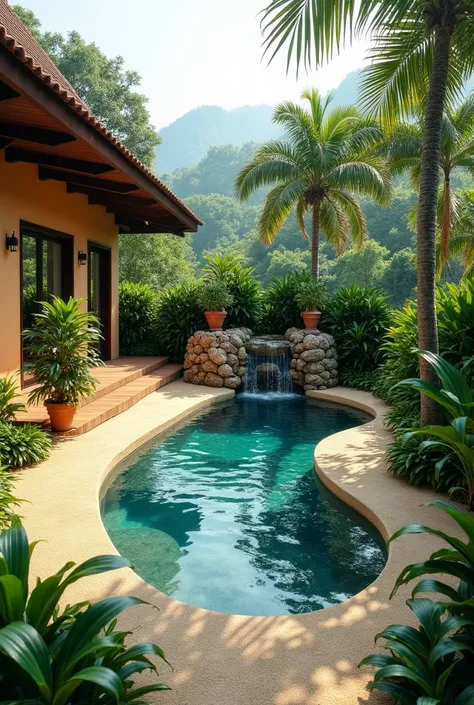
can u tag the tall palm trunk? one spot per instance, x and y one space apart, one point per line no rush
427 212
446 219
315 240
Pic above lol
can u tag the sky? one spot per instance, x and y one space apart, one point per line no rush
190 52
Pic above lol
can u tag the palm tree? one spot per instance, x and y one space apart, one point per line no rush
461 243
422 47
326 158
457 151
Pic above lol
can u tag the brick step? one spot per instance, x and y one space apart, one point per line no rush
119 373
110 377
121 399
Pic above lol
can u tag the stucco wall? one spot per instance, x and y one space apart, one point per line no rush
24 197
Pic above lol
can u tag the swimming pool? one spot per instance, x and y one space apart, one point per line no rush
225 512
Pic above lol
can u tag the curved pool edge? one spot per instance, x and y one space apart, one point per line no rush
225 659
337 465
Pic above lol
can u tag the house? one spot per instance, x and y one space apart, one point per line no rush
68 189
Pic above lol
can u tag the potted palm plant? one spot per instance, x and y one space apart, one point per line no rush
311 297
62 349
214 297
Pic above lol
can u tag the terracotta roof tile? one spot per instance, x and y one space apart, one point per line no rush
17 38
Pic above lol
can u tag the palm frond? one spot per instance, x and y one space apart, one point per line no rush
277 206
334 223
317 104
369 176
311 29
355 216
301 210
273 162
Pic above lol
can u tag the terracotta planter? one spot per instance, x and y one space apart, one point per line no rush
61 415
215 319
311 318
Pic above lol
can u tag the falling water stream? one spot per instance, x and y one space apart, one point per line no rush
268 365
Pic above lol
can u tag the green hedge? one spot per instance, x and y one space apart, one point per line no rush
138 307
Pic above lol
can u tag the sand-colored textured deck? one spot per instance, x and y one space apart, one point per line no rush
220 659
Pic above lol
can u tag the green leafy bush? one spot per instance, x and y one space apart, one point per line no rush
432 665
312 295
138 306
72 655
61 349
8 502
409 459
454 306
281 310
21 445
179 316
456 441
358 319
213 295
8 393
359 380
244 287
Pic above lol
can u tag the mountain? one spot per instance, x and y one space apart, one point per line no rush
187 140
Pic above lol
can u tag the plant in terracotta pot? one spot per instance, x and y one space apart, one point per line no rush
214 297
311 297
61 348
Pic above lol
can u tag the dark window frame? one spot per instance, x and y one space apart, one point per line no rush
105 253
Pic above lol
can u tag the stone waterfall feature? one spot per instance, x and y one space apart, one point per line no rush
314 358
268 367
217 359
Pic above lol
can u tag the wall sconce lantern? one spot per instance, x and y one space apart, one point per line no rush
11 242
82 257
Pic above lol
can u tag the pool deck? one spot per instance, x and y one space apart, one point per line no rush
220 659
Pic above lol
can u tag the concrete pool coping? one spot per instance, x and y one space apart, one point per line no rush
222 659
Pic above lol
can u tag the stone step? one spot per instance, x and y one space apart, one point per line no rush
121 399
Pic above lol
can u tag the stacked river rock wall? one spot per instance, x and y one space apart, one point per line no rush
314 358
217 359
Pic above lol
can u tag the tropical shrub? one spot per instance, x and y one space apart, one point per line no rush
21 445
179 315
74 654
29 305
410 459
61 350
454 305
358 319
244 287
456 440
432 665
8 394
281 310
138 306
359 380
312 295
213 295
8 502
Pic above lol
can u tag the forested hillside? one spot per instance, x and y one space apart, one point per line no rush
186 141
230 227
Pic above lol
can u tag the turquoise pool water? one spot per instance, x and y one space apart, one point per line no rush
226 513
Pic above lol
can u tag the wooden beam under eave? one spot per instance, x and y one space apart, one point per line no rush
45 173
52 138
102 198
136 226
15 154
6 92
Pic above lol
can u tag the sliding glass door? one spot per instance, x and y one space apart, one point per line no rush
46 269
99 292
